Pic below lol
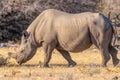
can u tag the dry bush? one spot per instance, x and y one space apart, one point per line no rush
16 15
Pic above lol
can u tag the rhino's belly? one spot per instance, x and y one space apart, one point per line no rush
80 48
77 45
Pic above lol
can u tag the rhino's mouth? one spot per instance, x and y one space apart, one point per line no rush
21 60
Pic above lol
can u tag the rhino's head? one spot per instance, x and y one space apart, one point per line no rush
27 49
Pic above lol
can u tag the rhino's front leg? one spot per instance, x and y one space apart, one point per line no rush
48 48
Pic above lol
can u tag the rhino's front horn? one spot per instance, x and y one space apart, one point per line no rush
13 55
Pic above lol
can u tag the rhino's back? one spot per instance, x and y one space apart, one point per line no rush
73 31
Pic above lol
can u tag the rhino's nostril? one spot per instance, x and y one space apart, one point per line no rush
19 62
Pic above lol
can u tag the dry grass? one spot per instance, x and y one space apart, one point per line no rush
87 68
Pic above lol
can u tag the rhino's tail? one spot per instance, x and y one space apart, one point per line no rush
115 35
114 29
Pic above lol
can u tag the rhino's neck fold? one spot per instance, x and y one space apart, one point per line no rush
33 40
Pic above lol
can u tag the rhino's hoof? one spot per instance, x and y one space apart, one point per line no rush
103 65
45 66
116 62
72 64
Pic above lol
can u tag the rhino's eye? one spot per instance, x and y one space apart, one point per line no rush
22 51
25 41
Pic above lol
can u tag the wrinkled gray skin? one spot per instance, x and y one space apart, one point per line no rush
66 32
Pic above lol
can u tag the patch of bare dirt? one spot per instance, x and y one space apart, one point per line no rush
88 67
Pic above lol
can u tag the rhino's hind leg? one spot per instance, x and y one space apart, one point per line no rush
104 52
67 56
113 53
102 43
105 56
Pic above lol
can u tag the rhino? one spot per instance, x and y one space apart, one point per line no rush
66 32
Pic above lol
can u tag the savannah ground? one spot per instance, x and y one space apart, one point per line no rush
88 67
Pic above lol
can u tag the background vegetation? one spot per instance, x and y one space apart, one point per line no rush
16 15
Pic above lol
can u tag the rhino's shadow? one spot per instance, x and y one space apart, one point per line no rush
23 65
91 65
37 65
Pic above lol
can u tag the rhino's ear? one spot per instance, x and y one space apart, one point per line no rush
25 34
